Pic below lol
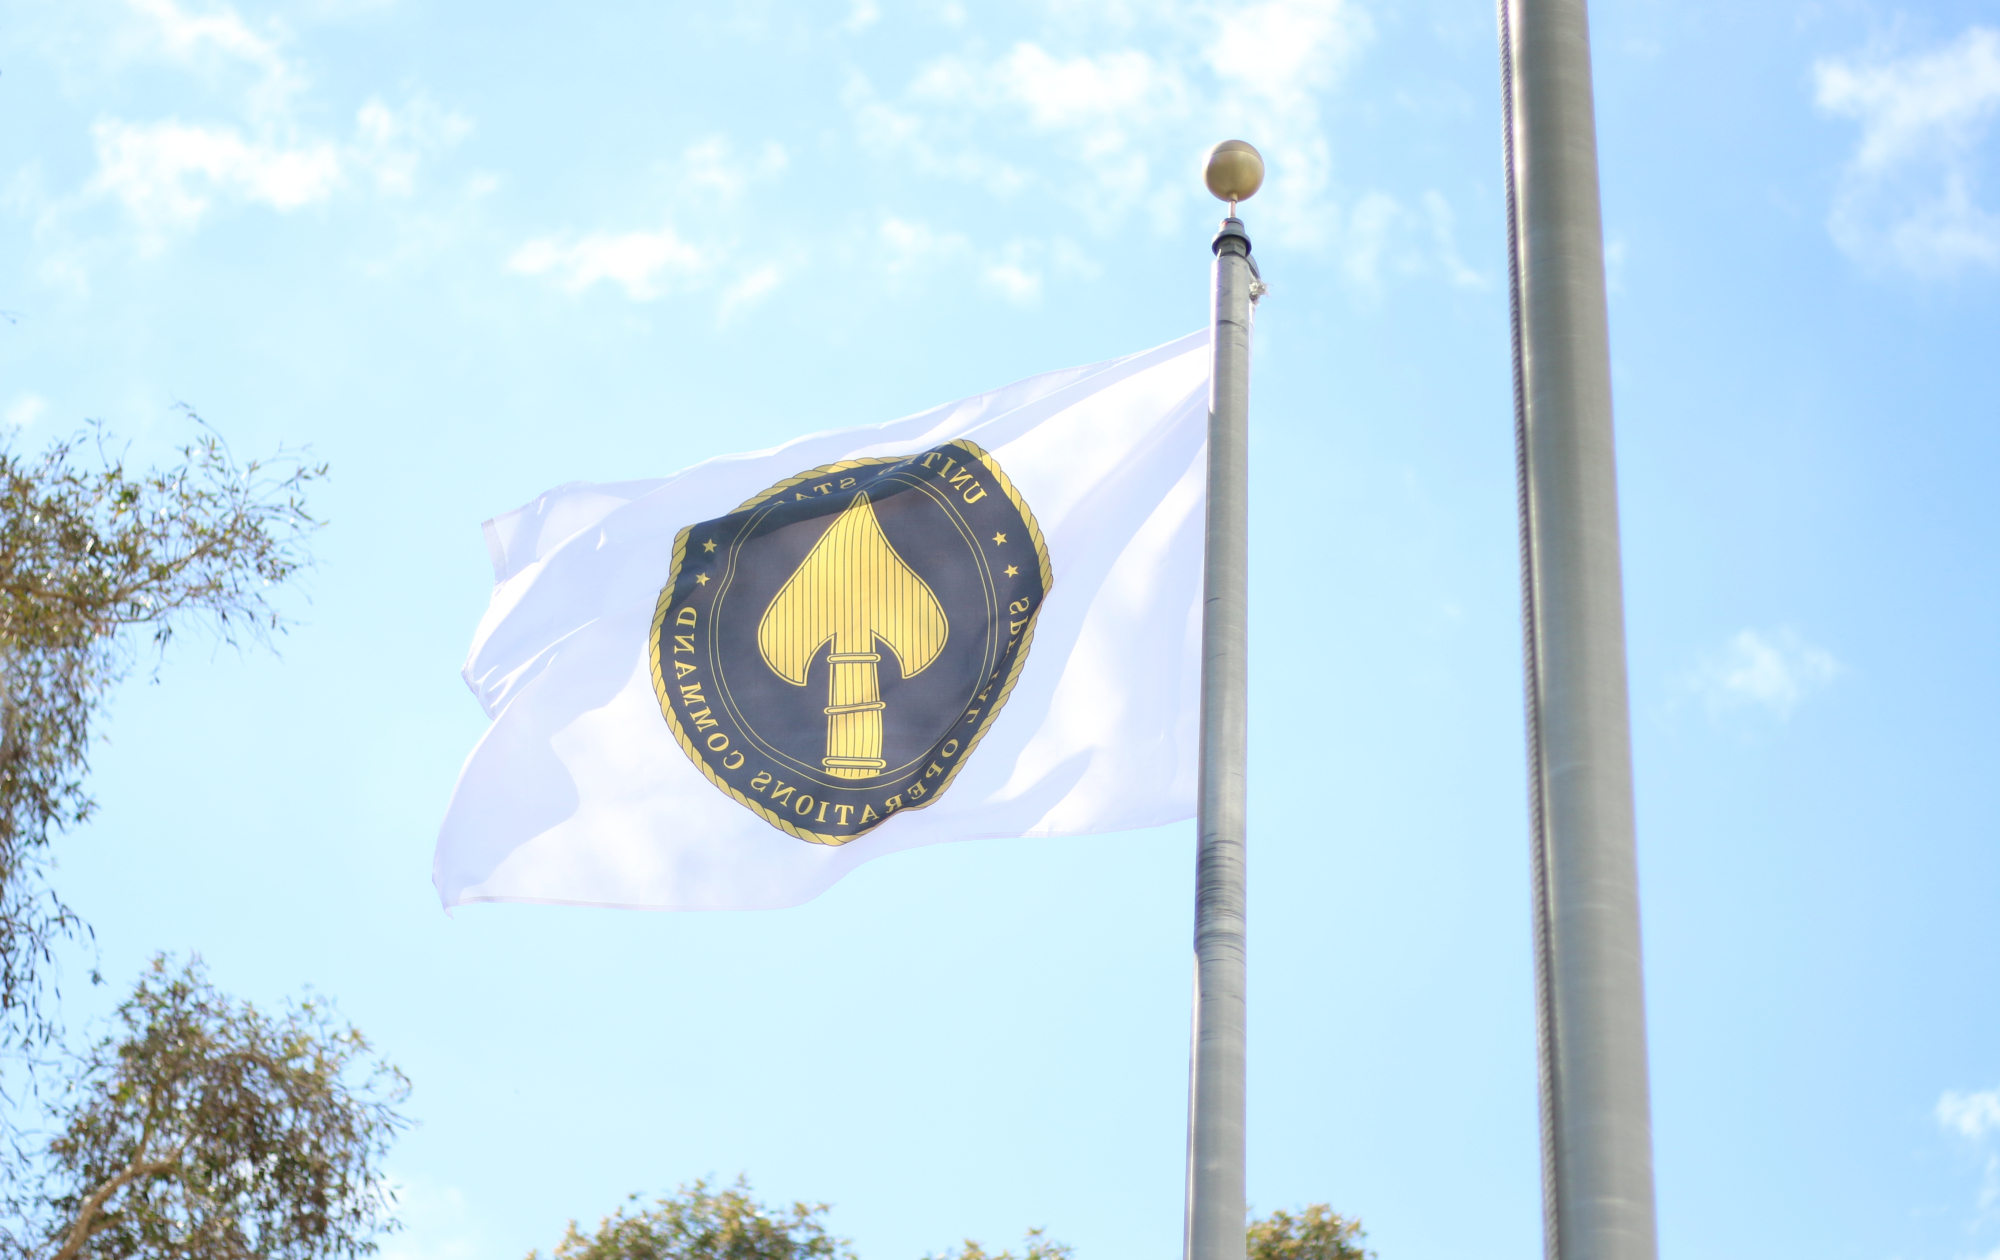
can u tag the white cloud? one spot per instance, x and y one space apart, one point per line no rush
650 263
202 40
913 243
1017 271
862 14
1107 112
1092 104
1931 105
1972 1115
167 173
389 143
1375 221
1379 236
1014 272
883 128
1014 282
184 34
750 290
1768 672
1908 197
24 411
1104 110
1068 258
1615 252
1975 1117
1444 237
1283 50
644 264
1089 93
713 166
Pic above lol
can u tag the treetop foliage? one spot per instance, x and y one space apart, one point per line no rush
1036 1246
703 1224
89 551
1317 1233
205 1128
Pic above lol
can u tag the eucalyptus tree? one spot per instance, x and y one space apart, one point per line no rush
1036 1246
96 559
202 1128
1316 1233
702 1224
698 1223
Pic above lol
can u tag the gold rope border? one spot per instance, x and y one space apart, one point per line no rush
665 602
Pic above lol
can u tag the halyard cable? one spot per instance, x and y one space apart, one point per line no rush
1545 1050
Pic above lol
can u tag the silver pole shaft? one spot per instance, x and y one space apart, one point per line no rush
1215 1199
1597 1157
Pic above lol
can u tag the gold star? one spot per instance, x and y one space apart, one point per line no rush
999 538
1012 571
709 545
701 579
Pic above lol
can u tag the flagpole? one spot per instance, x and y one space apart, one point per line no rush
1215 1172
1597 1160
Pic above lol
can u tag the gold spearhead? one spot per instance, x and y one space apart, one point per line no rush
852 589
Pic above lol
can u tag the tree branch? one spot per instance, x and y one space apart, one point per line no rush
79 1233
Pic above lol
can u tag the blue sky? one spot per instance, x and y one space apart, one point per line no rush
468 252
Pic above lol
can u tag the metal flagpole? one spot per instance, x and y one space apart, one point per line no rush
1215 1190
1597 1159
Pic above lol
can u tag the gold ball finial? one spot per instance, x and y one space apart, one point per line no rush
1233 171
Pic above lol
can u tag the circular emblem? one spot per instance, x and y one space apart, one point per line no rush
833 650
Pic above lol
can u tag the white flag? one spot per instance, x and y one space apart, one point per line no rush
727 688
